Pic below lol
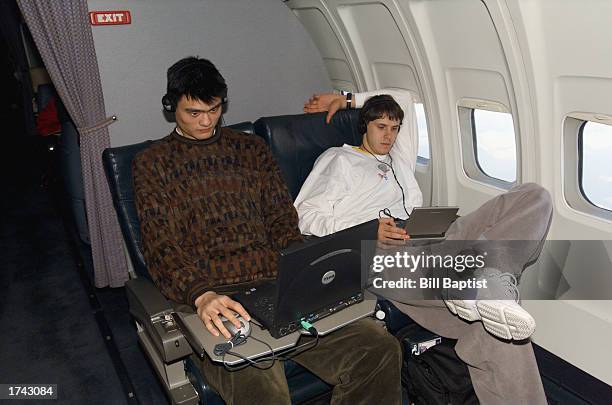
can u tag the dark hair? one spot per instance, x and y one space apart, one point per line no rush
377 107
195 78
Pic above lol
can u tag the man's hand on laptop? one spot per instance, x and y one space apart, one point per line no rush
389 234
211 306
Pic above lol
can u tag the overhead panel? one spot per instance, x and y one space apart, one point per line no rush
470 52
485 85
380 46
329 46
467 54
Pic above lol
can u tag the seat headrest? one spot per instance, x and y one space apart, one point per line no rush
297 141
246 126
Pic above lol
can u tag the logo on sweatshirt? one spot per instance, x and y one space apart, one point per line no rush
384 169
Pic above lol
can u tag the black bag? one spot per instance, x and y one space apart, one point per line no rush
436 375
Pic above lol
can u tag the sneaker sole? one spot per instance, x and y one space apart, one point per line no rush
498 318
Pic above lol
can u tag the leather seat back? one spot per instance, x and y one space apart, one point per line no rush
297 141
118 167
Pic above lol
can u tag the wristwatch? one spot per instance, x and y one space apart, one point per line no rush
349 99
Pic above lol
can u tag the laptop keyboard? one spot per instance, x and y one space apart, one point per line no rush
264 307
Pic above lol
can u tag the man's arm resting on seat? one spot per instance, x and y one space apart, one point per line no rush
407 140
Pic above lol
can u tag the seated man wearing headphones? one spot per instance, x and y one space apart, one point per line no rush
350 185
214 212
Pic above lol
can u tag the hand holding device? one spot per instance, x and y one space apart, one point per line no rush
239 335
211 307
244 329
388 230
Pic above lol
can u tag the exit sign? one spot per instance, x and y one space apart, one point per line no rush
110 17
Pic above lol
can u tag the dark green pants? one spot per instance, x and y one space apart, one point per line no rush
362 361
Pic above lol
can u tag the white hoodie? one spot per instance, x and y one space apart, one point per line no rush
348 186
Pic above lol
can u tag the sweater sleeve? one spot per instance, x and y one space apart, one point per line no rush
180 276
406 144
327 184
279 215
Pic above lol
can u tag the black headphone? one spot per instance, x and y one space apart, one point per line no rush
170 99
362 125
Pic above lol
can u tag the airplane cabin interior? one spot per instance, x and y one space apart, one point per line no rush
505 92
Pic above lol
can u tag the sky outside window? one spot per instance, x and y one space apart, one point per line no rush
495 144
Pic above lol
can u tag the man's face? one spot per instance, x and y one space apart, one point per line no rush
380 135
197 119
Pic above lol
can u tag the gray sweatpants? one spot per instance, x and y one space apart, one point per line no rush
502 372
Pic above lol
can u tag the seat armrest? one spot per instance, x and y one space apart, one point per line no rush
154 313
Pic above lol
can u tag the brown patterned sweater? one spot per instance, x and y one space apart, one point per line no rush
212 213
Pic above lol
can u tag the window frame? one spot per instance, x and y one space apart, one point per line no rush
573 148
469 143
420 159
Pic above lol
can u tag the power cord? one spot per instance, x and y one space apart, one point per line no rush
236 340
249 362
396 180
304 346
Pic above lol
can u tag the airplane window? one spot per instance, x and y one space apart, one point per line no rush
595 150
495 144
423 151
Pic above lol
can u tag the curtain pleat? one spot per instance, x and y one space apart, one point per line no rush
62 33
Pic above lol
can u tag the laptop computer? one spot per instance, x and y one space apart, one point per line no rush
315 278
430 222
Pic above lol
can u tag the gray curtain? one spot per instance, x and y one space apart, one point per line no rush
63 36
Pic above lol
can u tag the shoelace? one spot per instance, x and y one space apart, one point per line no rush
510 282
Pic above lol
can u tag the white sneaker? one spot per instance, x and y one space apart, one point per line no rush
504 319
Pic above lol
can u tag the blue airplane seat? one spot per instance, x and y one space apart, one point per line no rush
168 351
296 141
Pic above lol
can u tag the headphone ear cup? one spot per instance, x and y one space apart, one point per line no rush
223 104
168 103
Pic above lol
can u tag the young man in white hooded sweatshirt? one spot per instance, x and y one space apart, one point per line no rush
352 184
